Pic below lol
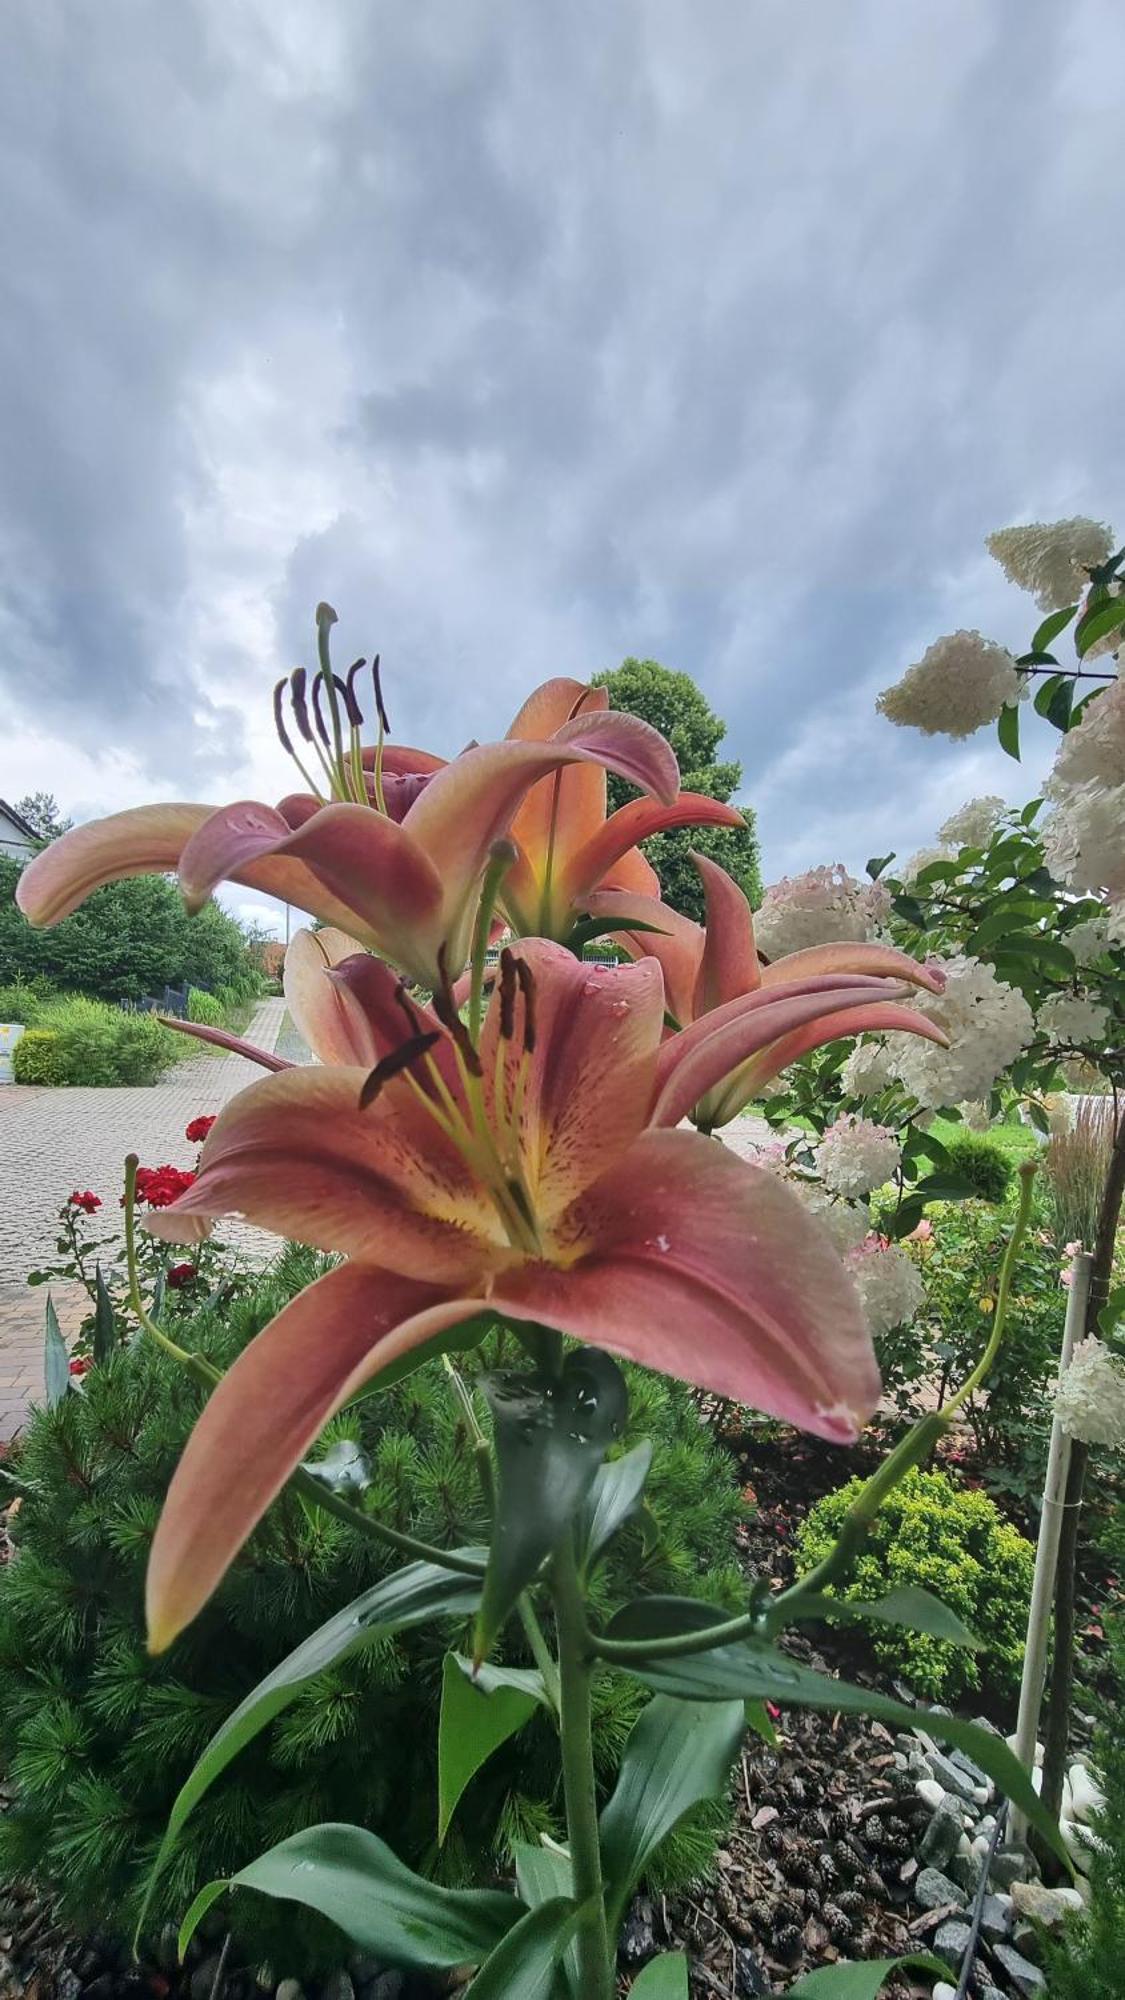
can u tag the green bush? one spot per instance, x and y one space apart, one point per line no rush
983 1163
81 1041
96 1736
38 1058
206 1008
21 999
955 1543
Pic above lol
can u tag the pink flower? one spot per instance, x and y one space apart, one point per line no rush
85 1200
541 1177
923 1232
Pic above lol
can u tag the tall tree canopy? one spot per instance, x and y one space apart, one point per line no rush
673 703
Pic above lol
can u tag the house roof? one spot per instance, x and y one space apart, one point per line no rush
21 825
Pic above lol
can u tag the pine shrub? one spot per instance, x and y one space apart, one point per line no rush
954 1542
96 1736
983 1163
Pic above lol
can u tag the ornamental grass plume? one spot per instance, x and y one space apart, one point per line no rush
1077 1160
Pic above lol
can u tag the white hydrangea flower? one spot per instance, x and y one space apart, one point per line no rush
1084 840
1089 940
1051 558
1090 1397
1073 1018
974 823
988 1023
1115 923
848 1222
960 683
889 1285
820 907
1093 752
855 1155
867 1071
913 866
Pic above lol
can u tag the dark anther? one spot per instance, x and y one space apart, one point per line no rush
398 1060
279 715
527 987
324 735
403 1000
297 688
445 1007
385 725
507 993
351 699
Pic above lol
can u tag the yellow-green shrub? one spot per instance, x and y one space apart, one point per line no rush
37 1058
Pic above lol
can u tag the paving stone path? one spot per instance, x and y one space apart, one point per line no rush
52 1141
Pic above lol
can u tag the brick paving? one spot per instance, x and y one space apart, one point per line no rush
54 1140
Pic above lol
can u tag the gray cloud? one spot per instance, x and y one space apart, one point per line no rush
534 337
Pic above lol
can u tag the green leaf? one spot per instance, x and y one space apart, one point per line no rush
477 1716
1046 953
677 1754
1052 625
410 1596
596 927
877 863
542 1872
613 1497
468 1333
197 1910
352 1877
56 1360
522 1966
910 910
759 1719
664 1978
1008 730
105 1324
1098 623
1011 916
550 1436
910 1607
751 1669
854 1981
1113 1310
343 1469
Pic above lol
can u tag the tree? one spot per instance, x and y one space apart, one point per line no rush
674 705
41 811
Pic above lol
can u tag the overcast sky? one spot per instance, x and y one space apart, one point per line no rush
535 336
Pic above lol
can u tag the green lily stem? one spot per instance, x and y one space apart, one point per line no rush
310 1488
765 1621
595 1960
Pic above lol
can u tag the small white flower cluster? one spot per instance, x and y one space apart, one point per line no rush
960 683
1052 558
1084 838
1089 940
1073 1018
867 1071
1093 752
856 1155
988 1024
820 907
974 823
889 1284
912 868
847 1222
976 1115
1090 1398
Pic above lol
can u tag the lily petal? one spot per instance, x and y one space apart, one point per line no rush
219 1039
294 1154
629 746
265 1415
877 960
883 1017
674 941
729 964
708 1269
330 1013
694 1061
554 702
583 1092
146 840
635 822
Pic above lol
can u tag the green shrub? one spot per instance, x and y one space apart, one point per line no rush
206 1008
983 1163
81 1041
955 1543
1088 1962
96 1736
38 1058
21 999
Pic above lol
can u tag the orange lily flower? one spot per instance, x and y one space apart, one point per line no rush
533 1176
393 854
712 973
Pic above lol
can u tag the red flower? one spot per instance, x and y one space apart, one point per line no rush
198 1129
80 1364
181 1275
161 1186
86 1200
